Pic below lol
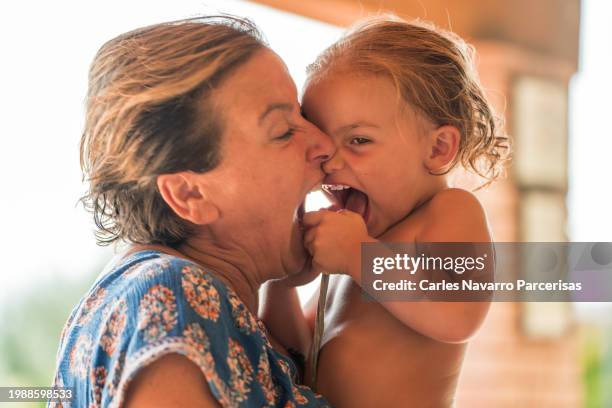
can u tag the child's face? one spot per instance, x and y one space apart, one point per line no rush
381 148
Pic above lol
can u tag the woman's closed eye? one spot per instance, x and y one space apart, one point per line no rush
286 136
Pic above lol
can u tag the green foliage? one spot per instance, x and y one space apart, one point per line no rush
606 373
597 367
30 331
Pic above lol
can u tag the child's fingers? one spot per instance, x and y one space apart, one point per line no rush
349 214
314 218
309 237
335 208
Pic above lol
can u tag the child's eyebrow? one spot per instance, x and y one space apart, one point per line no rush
346 128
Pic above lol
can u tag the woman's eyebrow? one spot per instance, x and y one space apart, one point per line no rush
272 107
346 128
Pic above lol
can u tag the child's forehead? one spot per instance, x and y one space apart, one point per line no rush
347 74
354 90
357 86
339 114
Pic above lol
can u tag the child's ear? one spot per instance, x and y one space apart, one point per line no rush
443 145
183 192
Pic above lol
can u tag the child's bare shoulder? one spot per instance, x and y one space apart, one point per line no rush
450 215
445 217
454 215
454 201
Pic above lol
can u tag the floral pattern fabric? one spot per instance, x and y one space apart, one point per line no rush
151 304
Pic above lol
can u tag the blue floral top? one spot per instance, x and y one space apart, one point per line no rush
152 304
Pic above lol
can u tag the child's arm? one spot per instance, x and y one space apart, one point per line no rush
310 310
453 216
281 312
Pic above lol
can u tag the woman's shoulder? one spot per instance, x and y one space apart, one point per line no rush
128 272
160 293
154 276
150 304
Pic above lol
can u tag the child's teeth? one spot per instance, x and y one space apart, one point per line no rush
336 187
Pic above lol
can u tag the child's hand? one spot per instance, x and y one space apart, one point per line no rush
334 239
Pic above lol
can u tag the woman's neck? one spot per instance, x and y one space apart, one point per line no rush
233 267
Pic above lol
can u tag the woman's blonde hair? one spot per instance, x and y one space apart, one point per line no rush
148 112
433 71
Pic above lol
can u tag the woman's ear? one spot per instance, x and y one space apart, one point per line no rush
443 145
183 192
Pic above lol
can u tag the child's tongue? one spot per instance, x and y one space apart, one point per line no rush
356 202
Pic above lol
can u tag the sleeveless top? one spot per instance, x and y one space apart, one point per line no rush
151 304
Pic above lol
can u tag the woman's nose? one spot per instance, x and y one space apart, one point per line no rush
321 146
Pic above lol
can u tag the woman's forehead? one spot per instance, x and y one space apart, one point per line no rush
263 81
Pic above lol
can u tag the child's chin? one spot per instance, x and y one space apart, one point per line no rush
374 229
377 227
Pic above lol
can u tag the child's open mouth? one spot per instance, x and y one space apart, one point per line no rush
349 198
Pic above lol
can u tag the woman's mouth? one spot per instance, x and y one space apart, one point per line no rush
300 213
312 202
348 198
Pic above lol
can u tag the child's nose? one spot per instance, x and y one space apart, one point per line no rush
335 163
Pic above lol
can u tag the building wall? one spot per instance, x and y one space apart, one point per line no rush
506 365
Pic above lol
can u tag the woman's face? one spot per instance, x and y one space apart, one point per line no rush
270 159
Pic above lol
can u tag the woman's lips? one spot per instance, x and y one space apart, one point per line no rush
300 214
306 203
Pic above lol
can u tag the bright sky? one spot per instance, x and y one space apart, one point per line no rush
47 47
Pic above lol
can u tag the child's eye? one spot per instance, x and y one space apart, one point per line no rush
359 141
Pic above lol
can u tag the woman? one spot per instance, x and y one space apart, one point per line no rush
197 155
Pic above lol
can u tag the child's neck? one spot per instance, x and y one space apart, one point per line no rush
439 183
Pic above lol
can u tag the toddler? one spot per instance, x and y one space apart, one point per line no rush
403 104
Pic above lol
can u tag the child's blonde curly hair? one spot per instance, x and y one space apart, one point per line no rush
433 71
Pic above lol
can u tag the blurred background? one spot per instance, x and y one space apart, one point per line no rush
546 65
